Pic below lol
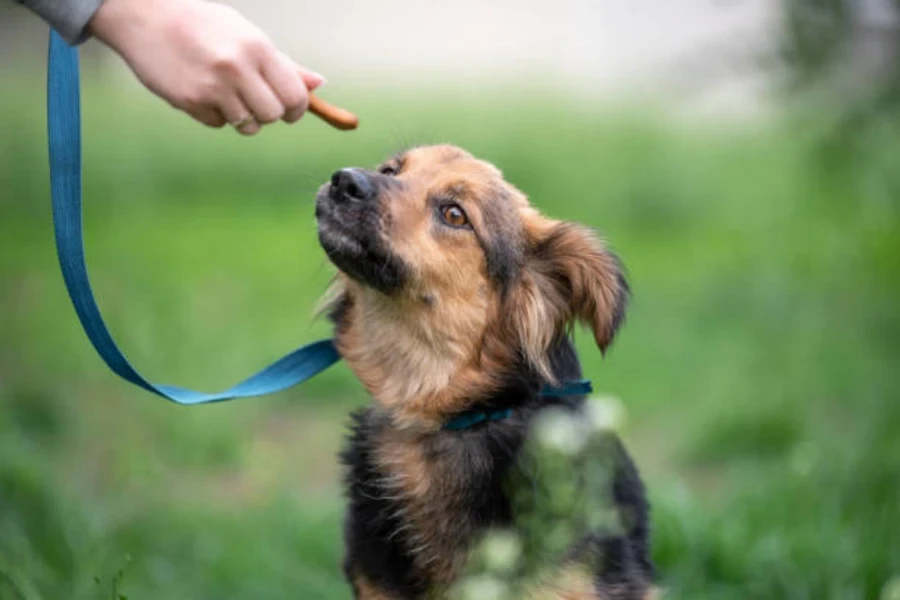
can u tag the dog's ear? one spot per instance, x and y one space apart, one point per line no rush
569 277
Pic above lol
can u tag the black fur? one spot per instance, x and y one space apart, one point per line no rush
349 232
378 545
371 523
502 242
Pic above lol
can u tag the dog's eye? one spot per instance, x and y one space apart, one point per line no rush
454 216
389 170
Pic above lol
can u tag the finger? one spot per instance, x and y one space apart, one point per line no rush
209 116
261 99
235 111
282 76
311 79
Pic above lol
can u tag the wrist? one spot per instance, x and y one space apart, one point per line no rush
117 20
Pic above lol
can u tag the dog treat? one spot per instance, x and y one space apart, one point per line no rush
334 116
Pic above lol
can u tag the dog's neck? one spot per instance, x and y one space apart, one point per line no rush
418 365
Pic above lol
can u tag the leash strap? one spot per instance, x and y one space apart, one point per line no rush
64 134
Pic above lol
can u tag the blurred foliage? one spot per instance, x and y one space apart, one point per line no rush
845 54
815 36
758 363
563 491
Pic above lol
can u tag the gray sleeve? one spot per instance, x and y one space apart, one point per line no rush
68 17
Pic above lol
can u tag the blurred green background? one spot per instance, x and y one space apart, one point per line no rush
758 365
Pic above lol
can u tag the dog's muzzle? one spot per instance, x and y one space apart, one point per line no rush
351 231
351 185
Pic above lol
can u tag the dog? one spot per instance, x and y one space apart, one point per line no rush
455 297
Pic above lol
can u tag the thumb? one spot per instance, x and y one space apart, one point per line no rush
311 79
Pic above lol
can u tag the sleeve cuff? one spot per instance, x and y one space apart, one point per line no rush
69 18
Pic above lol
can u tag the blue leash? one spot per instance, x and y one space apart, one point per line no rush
64 134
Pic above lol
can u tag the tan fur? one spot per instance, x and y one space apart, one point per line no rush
413 362
571 583
574 279
422 353
575 582
365 590
425 482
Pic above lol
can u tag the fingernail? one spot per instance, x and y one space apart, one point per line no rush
318 80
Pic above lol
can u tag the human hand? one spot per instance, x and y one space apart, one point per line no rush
206 59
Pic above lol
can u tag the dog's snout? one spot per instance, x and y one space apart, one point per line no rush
351 185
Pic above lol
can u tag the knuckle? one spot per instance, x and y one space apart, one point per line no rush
295 114
296 101
188 100
199 96
256 48
201 116
269 115
215 119
227 63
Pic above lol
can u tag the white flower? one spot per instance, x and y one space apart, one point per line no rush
891 590
501 550
560 430
483 587
605 413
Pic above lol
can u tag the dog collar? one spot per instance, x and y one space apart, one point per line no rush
474 417
574 387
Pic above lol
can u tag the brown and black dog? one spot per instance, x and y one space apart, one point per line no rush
455 295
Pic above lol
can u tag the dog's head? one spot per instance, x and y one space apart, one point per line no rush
448 279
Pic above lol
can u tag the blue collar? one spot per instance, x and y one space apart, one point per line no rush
474 417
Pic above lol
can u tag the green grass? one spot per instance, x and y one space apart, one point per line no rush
758 364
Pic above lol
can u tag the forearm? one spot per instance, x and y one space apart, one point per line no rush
68 17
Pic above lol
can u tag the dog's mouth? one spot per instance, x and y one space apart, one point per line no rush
352 235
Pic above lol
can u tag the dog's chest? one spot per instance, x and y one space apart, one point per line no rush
449 488
422 501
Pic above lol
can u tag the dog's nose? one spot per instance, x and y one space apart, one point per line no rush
351 185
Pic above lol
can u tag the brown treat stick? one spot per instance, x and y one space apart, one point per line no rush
334 116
